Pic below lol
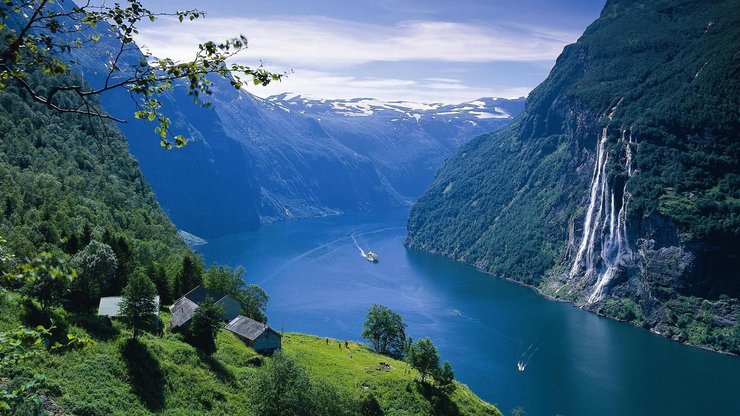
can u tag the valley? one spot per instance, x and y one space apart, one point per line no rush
403 240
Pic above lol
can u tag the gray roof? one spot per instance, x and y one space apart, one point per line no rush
182 310
199 295
247 328
111 306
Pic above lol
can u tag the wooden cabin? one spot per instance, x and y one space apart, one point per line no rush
110 306
255 334
184 308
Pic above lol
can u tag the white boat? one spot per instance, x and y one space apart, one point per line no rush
521 366
372 257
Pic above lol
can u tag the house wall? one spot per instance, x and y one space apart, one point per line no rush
232 309
269 340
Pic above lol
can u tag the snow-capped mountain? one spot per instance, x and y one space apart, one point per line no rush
407 141
252 161
474 111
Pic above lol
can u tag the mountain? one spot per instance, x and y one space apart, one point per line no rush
251 161
63 181
406 141
618 187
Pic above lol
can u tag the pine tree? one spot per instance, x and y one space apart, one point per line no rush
158 276
137 305
205 324
191 275
445 377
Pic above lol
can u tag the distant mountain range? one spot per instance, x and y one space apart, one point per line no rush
406 141
253 161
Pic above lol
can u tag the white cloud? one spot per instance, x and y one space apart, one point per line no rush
320 42
446 80
321 51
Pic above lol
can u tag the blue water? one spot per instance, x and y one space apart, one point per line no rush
580 364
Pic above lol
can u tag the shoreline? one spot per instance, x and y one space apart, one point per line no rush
572 304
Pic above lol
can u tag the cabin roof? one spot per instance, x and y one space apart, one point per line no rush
111 306
199 295
248 328
182 310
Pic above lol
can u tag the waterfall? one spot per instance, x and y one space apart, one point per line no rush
604 243
597 184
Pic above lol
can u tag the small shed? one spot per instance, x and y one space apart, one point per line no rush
184 308
256 334
110 306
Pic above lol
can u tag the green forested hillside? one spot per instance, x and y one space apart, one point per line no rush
65 179
618 188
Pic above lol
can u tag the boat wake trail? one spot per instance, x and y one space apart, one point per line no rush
526 356
323 247
362 252
457 312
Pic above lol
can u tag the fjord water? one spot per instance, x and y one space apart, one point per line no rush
581 364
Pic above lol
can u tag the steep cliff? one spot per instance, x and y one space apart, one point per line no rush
617 189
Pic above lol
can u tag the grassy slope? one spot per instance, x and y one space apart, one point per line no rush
396 388
165 375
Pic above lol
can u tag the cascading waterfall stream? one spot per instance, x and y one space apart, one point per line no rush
597 184
604 242
614 243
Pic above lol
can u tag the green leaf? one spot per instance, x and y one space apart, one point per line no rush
180 141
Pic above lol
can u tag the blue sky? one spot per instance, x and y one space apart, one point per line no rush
427 51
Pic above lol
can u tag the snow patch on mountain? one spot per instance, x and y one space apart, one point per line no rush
392 111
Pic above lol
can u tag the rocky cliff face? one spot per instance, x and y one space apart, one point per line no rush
617 189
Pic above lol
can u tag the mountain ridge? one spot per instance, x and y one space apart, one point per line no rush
617 188
286 165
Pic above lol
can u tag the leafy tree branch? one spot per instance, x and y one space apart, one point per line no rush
45 33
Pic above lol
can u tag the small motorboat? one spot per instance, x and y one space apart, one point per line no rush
521 366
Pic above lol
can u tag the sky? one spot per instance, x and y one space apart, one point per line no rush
403 50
